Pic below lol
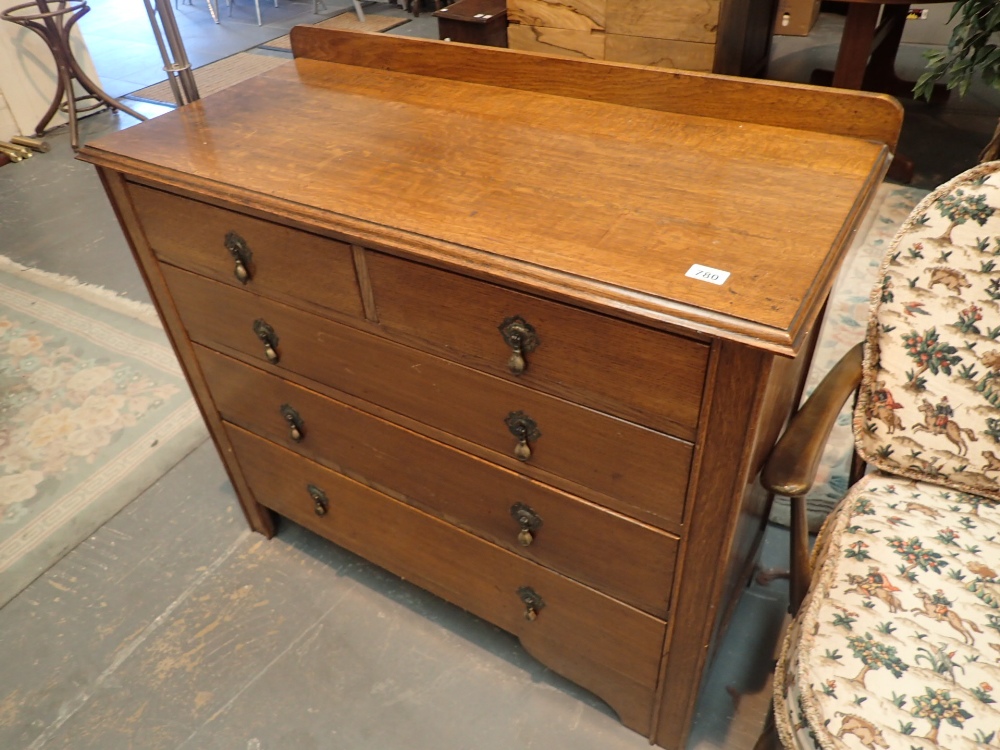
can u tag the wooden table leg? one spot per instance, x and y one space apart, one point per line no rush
901 169
882 68
867 60
855 45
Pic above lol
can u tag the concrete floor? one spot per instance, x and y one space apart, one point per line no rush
174 627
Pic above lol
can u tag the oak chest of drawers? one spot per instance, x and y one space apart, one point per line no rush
441 305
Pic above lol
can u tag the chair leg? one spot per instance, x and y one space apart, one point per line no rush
358 11
256 4
768 739
799 554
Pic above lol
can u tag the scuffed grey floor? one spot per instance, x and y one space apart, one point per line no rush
174 627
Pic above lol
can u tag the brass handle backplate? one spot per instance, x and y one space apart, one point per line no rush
269 338
238 248
294 422
320 503
533 603
522 339
529 521
525 429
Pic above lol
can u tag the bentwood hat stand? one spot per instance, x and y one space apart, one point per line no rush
54 23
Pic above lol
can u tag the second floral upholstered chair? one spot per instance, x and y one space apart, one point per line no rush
897 642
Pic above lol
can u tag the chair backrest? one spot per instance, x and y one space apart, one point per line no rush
927 408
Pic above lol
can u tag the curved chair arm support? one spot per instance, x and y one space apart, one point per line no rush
790 470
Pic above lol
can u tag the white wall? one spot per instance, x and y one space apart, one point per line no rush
28 74
7 125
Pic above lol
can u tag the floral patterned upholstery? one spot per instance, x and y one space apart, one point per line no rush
897 644
927 408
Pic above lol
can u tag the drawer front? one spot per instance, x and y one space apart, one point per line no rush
633 466
602 549
646 376
286 264
592 639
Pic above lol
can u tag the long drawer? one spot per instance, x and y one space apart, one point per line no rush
646 376
592 639
284 263
574 537
637 467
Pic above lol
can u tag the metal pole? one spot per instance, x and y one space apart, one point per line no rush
175 60
164 54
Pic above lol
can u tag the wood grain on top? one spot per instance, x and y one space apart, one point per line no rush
595 201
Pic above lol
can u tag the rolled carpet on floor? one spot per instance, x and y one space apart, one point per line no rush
215 76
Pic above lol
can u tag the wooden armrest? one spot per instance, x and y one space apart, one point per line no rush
790 470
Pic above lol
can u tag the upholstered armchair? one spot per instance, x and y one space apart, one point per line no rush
895 642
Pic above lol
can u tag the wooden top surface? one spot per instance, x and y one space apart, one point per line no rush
474 11
602 204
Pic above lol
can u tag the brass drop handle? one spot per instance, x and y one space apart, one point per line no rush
525 429
294 422
320 503
528 520
533 603
520 336
238 248
269 338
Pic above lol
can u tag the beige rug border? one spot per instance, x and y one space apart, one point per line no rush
98 295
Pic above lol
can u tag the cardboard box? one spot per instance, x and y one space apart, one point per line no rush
796 17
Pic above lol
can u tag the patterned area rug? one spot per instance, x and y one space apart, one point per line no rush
843 327
93 410
348 21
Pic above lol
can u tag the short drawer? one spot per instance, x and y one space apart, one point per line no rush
643 375
628 560
592 639
286 264
637 469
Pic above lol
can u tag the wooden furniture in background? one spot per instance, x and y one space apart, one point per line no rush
465 338
866 59
474 22
713 36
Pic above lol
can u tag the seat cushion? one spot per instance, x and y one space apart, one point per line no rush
927 408
898 642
